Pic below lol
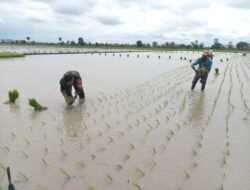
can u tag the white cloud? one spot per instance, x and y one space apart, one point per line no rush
126 21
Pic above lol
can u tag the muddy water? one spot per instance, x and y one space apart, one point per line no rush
140 128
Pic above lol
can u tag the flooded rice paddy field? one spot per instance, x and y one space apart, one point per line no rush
141 127
43 49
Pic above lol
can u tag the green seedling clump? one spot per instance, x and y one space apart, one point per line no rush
13 95
70 100
216 71
37 107
202 71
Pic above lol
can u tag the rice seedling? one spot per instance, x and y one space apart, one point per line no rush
23 176
26 141
221 187
137 122
157 122
62 141
187 175
194 153
6 148
137 186
37 107
25 154
2 167
121 133
93 156
13 135
154 151
131 147
13 95
99 134
108 126
224 161
64 153
41 187
44 162
110 139
227 152
118 167
64 173
88 138
109 178
151 164
90 188
80 164
139 172
170 132
199 145
126 157
46 150
194 164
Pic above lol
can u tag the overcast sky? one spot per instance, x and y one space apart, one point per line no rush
181 21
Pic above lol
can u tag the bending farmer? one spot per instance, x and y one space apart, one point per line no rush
204 66
69 79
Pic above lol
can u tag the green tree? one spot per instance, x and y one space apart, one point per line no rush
242 45
28 38
139 44
155 44
81 41
60 39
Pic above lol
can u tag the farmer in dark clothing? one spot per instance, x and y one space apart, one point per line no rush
71 78
204 66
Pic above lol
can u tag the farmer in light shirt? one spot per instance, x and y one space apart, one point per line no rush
204 66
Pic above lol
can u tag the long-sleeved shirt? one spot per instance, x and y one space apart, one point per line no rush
207 63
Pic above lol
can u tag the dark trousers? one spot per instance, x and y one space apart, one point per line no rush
203 80
79 91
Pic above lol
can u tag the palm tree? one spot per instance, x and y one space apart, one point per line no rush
28 38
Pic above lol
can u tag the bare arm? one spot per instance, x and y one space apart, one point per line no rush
193 67
64 94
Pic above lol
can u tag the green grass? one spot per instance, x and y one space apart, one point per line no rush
10 55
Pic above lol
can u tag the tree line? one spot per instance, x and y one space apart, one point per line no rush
138 44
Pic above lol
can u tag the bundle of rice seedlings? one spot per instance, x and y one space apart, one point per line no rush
13 95
70 100
202 71
37 107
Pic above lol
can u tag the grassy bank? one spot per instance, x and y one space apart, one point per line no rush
10 55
